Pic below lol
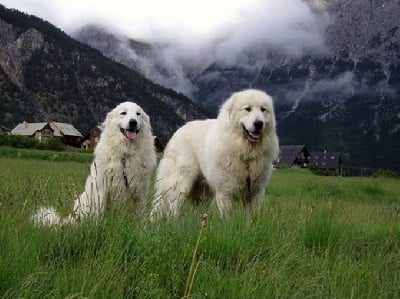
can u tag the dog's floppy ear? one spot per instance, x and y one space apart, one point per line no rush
146 119
107 120
226 109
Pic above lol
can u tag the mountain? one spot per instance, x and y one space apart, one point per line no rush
347 99
161 63
45 75
344 98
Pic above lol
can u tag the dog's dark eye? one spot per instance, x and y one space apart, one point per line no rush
263 109
138 113
248 109
123 113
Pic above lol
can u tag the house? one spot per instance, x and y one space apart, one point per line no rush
91 139
69 135
41 131
45 130
292 155
326 160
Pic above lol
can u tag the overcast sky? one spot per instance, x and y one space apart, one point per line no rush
289 23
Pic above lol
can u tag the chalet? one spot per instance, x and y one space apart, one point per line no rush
45 130
292 155
41 131
91 139
326 160
69 135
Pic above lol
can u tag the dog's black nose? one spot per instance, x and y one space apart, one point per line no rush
258 125
132 123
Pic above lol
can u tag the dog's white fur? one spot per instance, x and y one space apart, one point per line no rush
123 161
230 157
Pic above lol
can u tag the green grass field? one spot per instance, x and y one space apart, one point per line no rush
316 237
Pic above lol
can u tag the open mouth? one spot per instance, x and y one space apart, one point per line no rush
252 136
129 134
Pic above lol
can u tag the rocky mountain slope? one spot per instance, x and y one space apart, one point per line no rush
345 98
45 75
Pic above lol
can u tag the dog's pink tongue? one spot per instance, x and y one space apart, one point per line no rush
130 135
254 135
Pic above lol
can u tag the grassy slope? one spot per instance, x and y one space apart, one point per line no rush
316 237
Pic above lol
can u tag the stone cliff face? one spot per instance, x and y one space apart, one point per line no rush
365 29
17 49
47 76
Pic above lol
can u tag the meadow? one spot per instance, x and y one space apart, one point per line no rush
316 237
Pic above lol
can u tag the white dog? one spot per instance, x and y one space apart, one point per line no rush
123 161
230 157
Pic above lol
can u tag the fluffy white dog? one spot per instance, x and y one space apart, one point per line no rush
229 157
123 161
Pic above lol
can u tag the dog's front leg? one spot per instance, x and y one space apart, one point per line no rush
224 203
257 200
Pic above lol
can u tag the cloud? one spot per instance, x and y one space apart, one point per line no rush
226 26
194 33
286 25
344 84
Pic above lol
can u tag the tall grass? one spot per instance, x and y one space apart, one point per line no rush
316 237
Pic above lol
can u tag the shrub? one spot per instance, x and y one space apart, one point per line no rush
87 151
320 171
54 144
10 152
19 141
27 142
386 173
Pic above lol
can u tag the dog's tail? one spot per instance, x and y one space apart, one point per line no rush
48 217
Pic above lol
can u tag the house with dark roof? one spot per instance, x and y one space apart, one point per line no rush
69 135
45 130
292 155
326 160
92 138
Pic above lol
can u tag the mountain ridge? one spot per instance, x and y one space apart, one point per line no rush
47 75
